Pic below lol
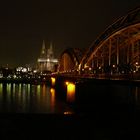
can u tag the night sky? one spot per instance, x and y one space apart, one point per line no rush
67 23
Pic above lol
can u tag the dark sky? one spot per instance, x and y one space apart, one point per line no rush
67 23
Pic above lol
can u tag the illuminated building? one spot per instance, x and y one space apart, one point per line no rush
46 61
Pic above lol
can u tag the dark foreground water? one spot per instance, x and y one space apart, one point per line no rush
92 110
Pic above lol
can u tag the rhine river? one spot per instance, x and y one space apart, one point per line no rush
97 109
28 98
82 98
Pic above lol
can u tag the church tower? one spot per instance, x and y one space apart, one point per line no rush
46 61
50 51
43 51
42 60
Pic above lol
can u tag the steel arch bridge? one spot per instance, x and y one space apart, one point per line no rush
117 49
69 60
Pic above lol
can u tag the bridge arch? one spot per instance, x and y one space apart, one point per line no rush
69 60
116 49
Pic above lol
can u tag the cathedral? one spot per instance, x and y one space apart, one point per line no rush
46 61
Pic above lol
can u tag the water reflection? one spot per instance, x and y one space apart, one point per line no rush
27 98
137 95
53 81
52 92
70 92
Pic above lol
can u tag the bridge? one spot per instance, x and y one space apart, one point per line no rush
114 54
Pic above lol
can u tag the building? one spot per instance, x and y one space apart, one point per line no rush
46 61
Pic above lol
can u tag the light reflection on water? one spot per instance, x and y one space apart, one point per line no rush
27 98
137 96
71 92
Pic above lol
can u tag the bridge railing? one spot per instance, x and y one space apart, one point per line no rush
115 76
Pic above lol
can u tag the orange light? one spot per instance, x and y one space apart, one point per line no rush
66 82
53 80
67 113
52 91
70 92
52 97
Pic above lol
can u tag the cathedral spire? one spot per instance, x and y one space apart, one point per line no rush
50 51
51 46
43 50
46 61
43 47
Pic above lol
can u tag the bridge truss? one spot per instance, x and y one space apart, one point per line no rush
69 60
117 50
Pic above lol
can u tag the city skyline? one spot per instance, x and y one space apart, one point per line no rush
67 24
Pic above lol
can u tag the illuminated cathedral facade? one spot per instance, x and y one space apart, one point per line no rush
46 61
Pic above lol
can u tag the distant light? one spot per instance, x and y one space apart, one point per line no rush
9 76
137 63
35 71
122 71
90 69
114 66
54 60
19 69
42 60
48 60
24 70
15 76
67 113
29 69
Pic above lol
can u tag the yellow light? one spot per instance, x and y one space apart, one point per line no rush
70 92
38 89
53 80
71 87
8 88
52 91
